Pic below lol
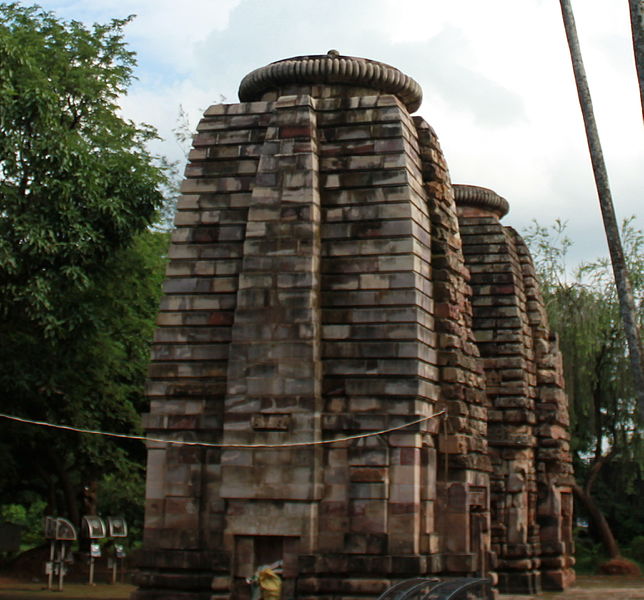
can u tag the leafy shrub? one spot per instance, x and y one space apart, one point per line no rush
588 554
29 517
636 549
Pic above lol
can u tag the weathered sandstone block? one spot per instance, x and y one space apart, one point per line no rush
326 281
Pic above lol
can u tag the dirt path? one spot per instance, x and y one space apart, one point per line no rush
586 588
13 589
593 587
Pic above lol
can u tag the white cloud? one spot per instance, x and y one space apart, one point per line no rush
164 32
496 76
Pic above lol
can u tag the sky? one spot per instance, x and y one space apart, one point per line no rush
496 77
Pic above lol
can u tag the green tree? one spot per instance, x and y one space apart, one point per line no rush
76 180
80 265
93 380
584 311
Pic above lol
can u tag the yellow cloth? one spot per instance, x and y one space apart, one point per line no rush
271 585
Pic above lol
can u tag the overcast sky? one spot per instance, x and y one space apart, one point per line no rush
496 77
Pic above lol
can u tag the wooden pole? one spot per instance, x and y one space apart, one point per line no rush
624 292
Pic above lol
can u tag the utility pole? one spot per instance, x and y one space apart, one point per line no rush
624 291
637 27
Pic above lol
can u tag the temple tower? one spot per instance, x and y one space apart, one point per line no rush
528 418
317 289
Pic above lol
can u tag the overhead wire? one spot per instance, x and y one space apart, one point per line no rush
144 438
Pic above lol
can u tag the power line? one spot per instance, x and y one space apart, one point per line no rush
144 438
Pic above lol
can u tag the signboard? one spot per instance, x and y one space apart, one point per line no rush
93 527
50 528
65 530
116 527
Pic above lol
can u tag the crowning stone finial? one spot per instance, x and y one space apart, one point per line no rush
331 68
479 197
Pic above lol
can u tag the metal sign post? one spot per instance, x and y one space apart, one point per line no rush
117 528
58 531
50 534
65 532
49 566
93 527
61 564
94 553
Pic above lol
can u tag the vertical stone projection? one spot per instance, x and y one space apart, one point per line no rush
317 289
527 417
554 461
462 469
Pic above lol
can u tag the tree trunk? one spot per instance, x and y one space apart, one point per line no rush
90 498
71 499
599 521
637 23
597 413
624 292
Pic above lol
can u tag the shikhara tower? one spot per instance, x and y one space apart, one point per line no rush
327 279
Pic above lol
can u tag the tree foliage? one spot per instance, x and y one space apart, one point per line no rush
93 380
76 180
583 309
80 265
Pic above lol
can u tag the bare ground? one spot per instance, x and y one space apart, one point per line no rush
14 589
594 587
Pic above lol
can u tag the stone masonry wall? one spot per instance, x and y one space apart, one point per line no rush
188 376
323 282
522 370
554 461
463 465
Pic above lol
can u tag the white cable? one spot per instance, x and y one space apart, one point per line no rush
214 445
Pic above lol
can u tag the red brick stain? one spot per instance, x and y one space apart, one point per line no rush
409 456
291 132
220 318
369 474
403 508
503 289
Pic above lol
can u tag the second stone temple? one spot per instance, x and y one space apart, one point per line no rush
327 280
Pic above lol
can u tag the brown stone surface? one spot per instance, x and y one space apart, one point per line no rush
325 280
527 420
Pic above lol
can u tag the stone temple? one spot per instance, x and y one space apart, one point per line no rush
325 280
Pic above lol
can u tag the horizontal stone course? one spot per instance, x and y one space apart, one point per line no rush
323 280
